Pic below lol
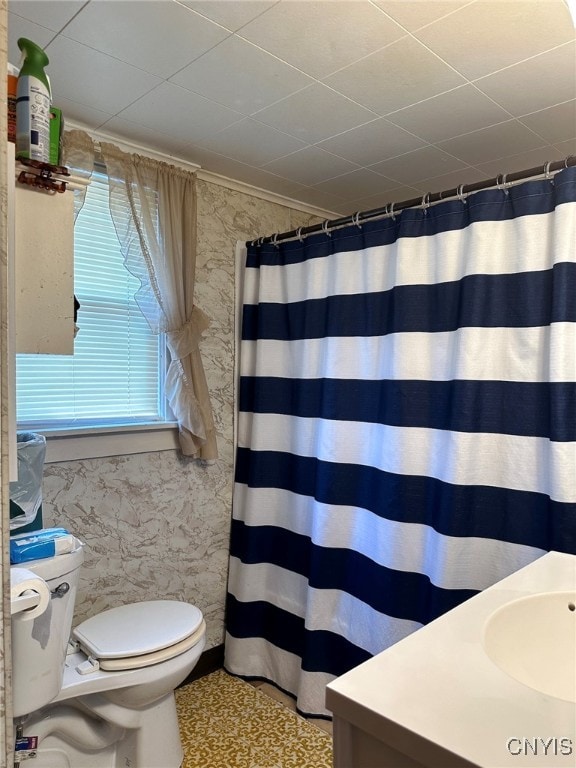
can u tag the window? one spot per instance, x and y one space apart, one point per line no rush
114 376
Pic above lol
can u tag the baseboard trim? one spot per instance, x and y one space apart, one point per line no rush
209 661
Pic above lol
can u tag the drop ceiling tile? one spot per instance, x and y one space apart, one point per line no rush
321 37
450 114
520 162
270 182
314 113
19 27
378 140
540 91
328 203
253 143
343 209
89 77
114 28
80 113
241 76
487 35
555 123
448 181
175 111
566 148
53 15
211 161
396 195
310 166
395 77
147 137
232 169
359 183
230 13
418 13
535 84
494 142
419 164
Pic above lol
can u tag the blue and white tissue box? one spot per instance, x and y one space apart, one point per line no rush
38 545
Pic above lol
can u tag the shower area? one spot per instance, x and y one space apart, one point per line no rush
406 428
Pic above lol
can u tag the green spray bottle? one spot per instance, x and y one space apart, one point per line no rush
33 104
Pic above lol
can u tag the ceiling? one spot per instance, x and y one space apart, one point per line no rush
344 105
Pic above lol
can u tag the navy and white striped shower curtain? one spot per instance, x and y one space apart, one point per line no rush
406 427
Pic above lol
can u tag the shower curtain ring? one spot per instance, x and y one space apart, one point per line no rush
460 193
502 183
299 234
356 219
275 240
391 211
325 228
425 204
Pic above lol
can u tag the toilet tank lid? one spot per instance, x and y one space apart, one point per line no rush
137 628
57 566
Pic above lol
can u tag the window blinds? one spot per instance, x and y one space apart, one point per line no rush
113 377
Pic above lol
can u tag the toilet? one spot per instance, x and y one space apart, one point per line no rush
101 695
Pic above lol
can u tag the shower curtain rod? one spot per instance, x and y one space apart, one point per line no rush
425 200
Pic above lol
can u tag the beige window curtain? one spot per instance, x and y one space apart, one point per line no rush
78 157
158 242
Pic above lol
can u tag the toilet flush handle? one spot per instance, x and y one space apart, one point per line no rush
61 590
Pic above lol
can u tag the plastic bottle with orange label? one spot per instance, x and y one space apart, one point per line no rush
12 87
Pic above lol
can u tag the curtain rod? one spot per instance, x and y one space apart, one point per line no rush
425 200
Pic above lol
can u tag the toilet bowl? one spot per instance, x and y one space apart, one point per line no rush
101 695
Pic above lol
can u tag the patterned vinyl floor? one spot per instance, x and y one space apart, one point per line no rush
227 723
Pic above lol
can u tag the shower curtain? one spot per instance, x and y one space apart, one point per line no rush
406 426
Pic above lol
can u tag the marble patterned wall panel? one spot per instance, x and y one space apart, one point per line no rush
156 526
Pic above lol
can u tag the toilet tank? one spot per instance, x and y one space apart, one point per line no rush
39 644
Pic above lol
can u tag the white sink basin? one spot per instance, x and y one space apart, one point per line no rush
533 640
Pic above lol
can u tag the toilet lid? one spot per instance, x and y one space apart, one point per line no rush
147 659
138 629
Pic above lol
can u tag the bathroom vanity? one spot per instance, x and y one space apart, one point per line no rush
490 684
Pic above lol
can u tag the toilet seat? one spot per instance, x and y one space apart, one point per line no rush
140 634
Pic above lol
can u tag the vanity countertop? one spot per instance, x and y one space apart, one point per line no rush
437 697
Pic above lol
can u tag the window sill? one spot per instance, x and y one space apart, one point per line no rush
100 442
